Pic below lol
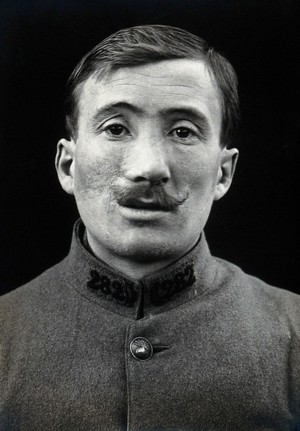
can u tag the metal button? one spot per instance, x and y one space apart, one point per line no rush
141 349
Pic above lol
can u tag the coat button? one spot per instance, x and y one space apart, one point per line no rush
141 349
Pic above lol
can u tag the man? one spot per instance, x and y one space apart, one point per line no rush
139 327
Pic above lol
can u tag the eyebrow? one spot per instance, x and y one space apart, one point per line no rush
190 113
112 109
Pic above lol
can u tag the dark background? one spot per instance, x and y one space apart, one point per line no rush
254 226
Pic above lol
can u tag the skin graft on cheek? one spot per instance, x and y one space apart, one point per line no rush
96 172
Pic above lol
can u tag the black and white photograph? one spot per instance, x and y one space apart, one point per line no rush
149 275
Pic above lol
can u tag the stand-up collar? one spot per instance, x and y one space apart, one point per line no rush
181 281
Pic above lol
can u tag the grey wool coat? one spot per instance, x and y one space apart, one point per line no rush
199 346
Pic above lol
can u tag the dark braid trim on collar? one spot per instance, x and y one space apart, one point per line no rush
163 289
125 292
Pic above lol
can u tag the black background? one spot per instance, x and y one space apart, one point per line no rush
254 226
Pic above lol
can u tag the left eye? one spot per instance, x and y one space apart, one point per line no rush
183 132
116 130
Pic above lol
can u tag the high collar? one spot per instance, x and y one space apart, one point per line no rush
179 282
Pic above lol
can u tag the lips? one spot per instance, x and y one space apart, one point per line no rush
151 198
151 205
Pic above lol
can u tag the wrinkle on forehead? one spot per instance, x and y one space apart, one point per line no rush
162 84
114 86
162 70
162 75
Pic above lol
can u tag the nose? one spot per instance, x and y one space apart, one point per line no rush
148 161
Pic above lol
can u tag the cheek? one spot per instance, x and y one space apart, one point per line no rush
199 172
95 172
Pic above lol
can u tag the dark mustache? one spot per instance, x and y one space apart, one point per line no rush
160 199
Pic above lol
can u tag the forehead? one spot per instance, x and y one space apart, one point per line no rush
168 84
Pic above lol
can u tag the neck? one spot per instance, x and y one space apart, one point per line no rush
130 267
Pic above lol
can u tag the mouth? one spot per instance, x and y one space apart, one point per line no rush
144 204
143 211
140 203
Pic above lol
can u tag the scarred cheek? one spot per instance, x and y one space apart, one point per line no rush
95 175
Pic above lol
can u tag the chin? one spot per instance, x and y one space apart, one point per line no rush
146 249
144 244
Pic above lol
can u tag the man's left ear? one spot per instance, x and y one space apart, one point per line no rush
226 171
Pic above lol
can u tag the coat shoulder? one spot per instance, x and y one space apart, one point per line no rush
267 298
22 300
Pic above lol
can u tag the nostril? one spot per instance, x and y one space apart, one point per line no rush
139 179
159 182
154 182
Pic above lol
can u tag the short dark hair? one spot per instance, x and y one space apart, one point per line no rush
149 44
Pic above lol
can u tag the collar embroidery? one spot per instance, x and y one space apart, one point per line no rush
162 289
125 291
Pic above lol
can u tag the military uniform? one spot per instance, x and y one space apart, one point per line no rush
199 346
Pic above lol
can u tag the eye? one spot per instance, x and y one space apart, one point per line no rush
116 130
183 132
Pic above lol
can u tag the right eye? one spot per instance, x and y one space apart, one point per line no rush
116 130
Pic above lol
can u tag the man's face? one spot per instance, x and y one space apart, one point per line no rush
147 163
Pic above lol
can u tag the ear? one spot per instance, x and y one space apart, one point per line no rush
64 163
226 171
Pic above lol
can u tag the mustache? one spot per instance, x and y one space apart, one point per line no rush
149 197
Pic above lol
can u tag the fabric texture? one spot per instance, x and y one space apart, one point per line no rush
226 349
